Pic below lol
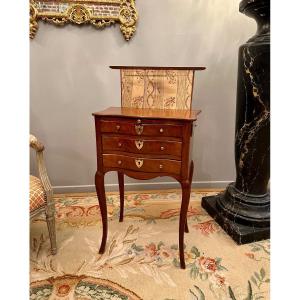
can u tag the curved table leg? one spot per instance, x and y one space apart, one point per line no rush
121 189
186 229
182 220
186 192
99 182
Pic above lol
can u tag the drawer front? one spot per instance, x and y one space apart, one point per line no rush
132 128
140 164
140 145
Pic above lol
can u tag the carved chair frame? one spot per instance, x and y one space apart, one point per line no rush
48 208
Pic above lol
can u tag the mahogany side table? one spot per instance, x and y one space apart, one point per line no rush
144 144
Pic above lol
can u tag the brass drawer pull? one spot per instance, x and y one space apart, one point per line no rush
118 127
119 162
139 162
139 144
161 166
119 144
162 148
139 129
161 130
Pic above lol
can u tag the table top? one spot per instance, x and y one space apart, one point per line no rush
175 114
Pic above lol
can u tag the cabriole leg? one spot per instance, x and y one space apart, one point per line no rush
99 182
121 189
186 192
182 220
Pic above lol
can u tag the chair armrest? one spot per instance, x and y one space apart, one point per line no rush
39 148
35 144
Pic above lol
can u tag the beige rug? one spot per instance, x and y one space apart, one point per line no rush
141 259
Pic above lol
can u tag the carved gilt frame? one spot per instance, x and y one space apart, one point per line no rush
99 13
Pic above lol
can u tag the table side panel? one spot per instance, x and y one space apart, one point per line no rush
185 156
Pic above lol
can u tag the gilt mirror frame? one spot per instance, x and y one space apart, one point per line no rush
99 13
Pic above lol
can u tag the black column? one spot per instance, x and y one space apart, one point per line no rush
243 210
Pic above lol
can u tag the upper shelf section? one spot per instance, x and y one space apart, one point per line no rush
157 87
157 68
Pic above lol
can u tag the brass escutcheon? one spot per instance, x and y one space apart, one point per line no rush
139 162
139 144
139 129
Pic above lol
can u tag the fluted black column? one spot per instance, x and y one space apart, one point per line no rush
243 210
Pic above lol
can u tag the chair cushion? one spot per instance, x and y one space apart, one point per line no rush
37 194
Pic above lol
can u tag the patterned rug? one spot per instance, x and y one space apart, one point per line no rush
141 259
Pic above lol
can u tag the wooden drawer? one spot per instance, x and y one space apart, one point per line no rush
142 129
141 145
141 164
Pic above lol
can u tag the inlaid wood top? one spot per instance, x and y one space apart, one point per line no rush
175 114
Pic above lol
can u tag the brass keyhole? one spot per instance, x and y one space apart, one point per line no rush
139 129
139 144
139 162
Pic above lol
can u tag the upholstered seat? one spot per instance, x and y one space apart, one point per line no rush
37 195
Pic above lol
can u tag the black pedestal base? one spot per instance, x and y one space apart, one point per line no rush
241 234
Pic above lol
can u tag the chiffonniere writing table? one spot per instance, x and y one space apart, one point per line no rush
149 136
